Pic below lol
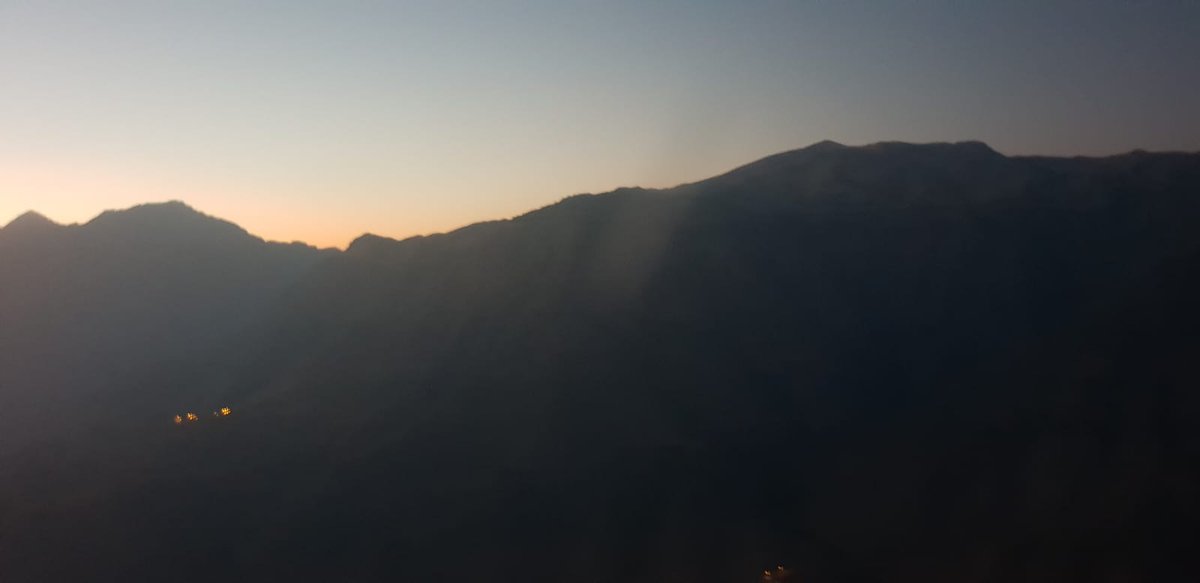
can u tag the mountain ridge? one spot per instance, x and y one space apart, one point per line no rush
29 224
905 363
826 150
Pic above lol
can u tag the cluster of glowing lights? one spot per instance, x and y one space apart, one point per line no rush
192 417
778 575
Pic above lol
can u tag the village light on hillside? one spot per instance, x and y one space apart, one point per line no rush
779 575
192 417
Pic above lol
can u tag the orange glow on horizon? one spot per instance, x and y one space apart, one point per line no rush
76 190
273 223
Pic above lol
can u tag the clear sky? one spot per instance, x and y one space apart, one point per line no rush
320 121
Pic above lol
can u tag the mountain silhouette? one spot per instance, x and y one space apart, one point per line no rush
171 222
94 309
29 225
890 362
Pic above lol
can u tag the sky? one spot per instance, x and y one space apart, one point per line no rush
319 121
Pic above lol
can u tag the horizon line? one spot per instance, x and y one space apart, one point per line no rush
825 143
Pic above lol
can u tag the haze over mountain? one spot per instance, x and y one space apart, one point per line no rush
891 362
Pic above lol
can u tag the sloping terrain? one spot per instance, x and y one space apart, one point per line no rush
882 363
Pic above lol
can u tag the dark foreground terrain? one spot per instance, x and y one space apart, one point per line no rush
885 363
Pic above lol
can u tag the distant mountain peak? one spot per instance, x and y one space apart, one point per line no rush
170 208
171 220
29 223
369 242
825 145
974 147
31 219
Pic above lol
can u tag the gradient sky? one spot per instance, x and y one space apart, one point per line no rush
321 121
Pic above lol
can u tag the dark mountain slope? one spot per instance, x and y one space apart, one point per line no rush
894 362
92 312
798 354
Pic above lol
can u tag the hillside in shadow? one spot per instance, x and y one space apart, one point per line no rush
893 362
